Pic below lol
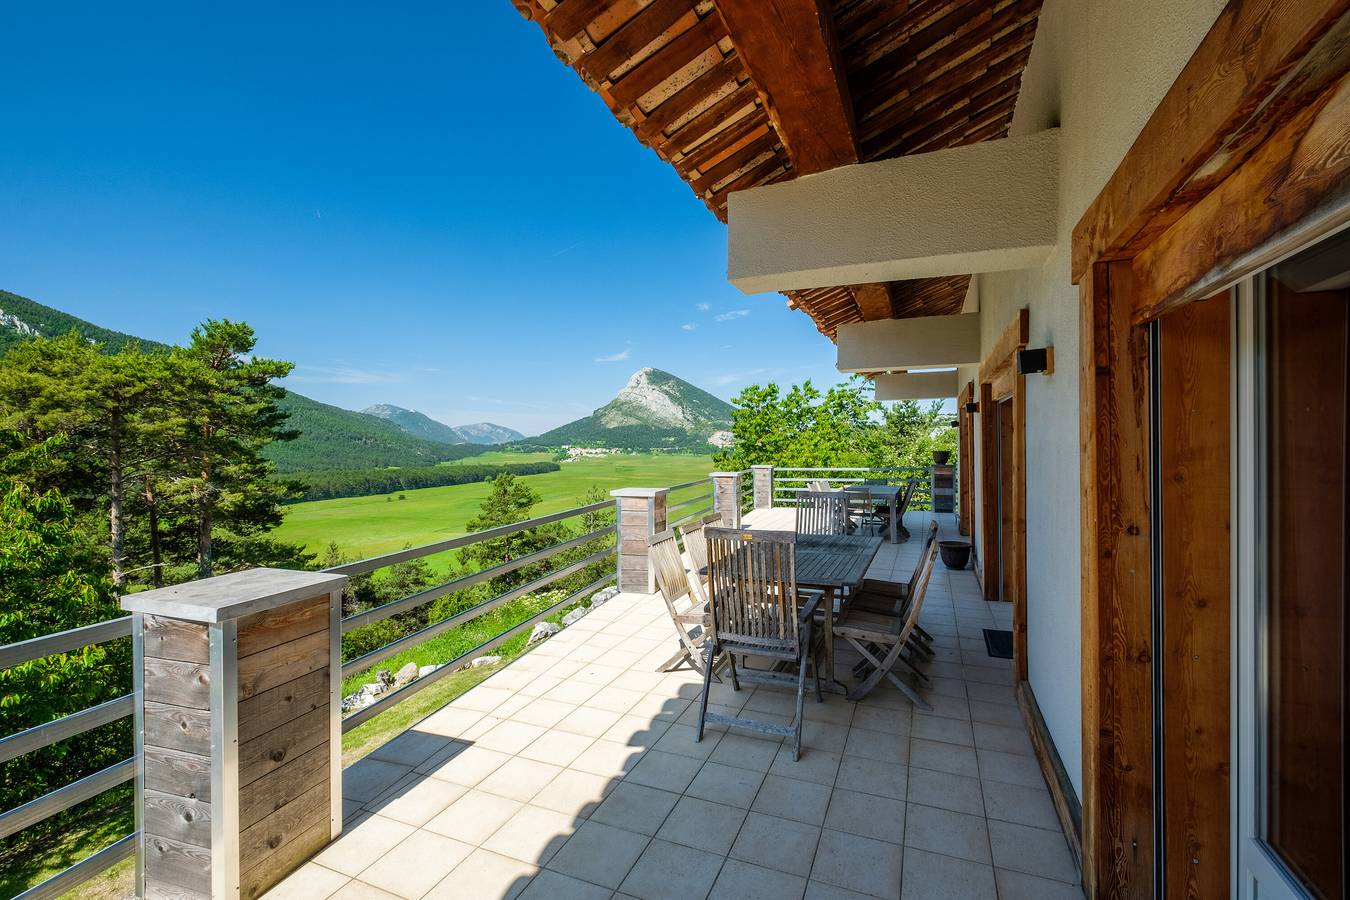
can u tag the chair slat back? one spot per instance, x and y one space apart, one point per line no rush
917 590
752 583
822 512
859 501
695 543
664 555
818 484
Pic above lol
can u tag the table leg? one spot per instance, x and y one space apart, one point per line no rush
895 529
829 682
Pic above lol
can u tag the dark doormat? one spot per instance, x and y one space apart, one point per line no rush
998 643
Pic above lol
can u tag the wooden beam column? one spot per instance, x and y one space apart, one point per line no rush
1117 650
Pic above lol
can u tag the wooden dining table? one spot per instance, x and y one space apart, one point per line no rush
833 563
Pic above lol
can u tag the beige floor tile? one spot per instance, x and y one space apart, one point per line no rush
819 890
950 833
519 779
411 748
1019 804
309 882
418 801
540 686
827 736
542 712
607 758
788 798
667 771
932 876
554 886
745 752
658 705
599 853
575 692
470 766
944 790
726 784
942 757
1011 768
1004 738
532 834
588 721
1021 886
437 759
943 729
702 824
636 808
779 844
556 747
635 731
474 817
890 748
574 793
1034 851
668 871
359 890
414 866
484 876
995 713
368 778
884 719
858 864
362 843
816 766
858 773
880 818
510 737
615 697
682 739
743 881
483 698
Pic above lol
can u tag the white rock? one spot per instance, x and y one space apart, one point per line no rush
575 616
374 688
483 661
543 630
426 670
600 598
406 675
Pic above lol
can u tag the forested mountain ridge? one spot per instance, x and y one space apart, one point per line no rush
330 437
654 410
421 425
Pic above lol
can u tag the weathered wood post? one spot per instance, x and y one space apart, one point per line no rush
641 514
239 730
763 486
727 497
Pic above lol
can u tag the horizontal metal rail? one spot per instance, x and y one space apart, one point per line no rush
379 562
413 601
688 484
379 654
458 662
68 879
702 498
48 733
64 641
691 516
778 469
63 798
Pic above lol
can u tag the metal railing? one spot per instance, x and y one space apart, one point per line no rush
686 501
789 481
69 726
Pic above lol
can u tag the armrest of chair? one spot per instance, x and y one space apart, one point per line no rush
808 610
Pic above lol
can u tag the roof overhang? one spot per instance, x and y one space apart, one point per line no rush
916 385
985 207
897 344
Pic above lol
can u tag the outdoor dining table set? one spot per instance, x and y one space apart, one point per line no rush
765 607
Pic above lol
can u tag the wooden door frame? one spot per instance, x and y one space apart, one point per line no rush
1243 161
965 451
1000 381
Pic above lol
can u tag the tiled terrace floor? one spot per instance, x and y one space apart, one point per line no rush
573 773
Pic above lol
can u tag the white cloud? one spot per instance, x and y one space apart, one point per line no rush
689 326
702 307
731 314
343 375
614 357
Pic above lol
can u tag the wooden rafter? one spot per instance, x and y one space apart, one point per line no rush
789 48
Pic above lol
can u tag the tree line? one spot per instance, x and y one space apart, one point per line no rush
333 483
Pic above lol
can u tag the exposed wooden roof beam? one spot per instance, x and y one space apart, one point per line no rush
789 49
874 300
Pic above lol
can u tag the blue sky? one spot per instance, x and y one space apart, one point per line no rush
416 203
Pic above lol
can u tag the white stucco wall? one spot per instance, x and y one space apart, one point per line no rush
1098 69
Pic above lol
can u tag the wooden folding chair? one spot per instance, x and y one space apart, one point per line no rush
819 484
873 634
822 512
861 509
695 544
691 616
756 611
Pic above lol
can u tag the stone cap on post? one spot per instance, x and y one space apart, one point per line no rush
232 596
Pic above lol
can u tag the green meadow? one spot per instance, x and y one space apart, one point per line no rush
368 526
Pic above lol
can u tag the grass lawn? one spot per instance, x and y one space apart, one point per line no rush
494 457
368 526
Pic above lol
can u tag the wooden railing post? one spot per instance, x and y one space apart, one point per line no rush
238 716
641 513
763 484
727 497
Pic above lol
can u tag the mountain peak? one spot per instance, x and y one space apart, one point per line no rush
654 409
423 426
